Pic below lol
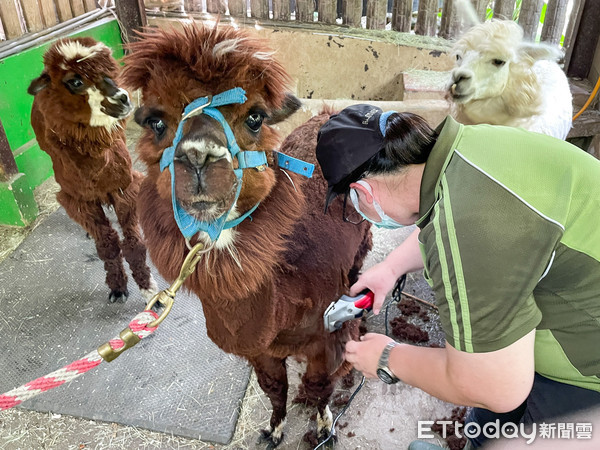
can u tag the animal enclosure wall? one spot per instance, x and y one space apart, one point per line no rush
18 17
424 17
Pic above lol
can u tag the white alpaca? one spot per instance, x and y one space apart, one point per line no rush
500 79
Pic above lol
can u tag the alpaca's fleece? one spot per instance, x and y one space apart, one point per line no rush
502 80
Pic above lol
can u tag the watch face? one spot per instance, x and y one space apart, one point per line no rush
385 376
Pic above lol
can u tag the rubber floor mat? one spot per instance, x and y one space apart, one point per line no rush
54 310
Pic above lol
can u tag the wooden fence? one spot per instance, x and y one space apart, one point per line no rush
424 17
18 17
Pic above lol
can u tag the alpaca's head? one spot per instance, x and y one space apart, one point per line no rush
78 84
494 69
173 68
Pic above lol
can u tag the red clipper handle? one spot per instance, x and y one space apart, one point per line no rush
365 301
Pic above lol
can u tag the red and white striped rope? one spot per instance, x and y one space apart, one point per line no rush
139 326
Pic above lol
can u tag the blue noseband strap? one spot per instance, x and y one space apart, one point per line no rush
188 224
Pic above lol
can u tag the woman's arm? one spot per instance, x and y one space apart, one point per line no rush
380 278
499 381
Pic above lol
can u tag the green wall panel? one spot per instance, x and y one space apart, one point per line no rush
17 204
17 71
34 162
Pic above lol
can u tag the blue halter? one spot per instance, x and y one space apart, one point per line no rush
188 224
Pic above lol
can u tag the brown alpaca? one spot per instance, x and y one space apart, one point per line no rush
265 284
78 116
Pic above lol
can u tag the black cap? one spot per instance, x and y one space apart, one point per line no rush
346 141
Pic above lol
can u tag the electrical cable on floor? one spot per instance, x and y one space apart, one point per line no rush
396 296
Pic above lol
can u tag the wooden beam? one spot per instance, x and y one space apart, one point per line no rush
8 166
132 15
584 44
11 20
450 25
572 28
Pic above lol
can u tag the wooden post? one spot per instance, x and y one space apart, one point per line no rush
480 8
216 6
238 8
8 166
585 41
49 13
10 15
281 10
305 10
402 15
376 14
451 23
132 15
33 15
529 17
427 18
259 9
572 28
63 7
352 12
503 9
554 23
327 11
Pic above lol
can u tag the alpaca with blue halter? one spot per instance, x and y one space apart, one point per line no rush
188 224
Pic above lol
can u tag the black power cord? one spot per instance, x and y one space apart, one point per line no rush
396 296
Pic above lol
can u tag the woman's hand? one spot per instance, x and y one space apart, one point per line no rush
379 279
364 354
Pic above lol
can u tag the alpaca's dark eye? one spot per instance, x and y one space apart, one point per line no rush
158 126
254 122
498 62
458 57
74 84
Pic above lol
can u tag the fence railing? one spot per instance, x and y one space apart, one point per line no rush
19 17
423 17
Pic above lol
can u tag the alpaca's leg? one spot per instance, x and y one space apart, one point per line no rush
317 387
272 378
91 217
132 246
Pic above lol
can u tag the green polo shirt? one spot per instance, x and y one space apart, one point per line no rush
510 238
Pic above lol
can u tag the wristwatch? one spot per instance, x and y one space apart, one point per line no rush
383 371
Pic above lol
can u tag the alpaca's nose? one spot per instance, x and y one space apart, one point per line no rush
124 98
461 77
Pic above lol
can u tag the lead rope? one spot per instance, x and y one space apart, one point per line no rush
142 325
396 296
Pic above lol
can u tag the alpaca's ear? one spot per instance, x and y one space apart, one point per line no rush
291 104
38 84
540 51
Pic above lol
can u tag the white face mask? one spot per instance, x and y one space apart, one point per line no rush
386 221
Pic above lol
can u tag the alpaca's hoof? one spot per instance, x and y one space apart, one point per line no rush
323 436
270 438
118 296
